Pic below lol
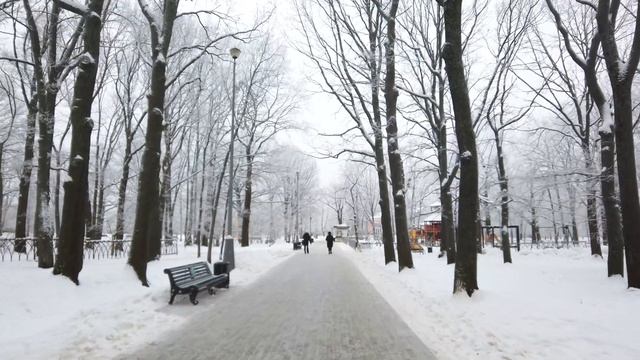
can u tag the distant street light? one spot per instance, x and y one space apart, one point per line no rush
235 53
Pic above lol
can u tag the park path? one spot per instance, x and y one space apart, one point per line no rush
314 306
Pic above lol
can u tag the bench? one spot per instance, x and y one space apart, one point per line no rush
192 278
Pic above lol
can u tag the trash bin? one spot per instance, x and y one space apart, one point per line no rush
220 268
297 245
429 249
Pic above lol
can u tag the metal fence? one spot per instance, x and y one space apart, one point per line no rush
26 249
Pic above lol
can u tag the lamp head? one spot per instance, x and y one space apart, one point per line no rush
235 52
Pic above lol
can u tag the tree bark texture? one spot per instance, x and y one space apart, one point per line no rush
592 219
248 192
76 191
43 226
165 192
145 245
25 179
122 192
381 167
146 233
396 170
465 275
199 231
1 187
214 206
504 202
385 210
628 182
615 260
621 74
56 193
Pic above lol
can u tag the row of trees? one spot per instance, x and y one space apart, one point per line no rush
507 87
116 55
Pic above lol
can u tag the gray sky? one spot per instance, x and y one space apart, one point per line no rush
317 113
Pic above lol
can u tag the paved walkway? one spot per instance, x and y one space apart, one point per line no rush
314 306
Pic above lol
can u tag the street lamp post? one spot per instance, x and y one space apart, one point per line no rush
235 52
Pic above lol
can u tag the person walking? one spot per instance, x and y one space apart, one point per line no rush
330 239
306 240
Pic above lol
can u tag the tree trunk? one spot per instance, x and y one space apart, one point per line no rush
165 192
25 180
615 260
592 211
92 233
447 232
214 207
246 213
535 236
186 229
628 182
395 160
572 210
145 245
99 224
43 227
504 202
621 75
465 276
56 192
122 191
385 212
592 220
199 231
553 217
1 188
285 218
381 167
70 256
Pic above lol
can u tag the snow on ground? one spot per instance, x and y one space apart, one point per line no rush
548 304
43 316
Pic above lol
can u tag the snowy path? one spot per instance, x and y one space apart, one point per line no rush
315 306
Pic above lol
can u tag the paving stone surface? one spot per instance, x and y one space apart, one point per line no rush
311 306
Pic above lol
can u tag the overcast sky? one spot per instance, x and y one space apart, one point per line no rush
317 112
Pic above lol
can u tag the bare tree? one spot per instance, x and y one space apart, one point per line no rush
422 47
47 79
270 108
128 82
351 68
514 21
11 105
29 94
393 148
147 229
587 59
465 276
621 73
76 190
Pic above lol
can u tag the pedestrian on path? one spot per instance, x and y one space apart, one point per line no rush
330 239
306 240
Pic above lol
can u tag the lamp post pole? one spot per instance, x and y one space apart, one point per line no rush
235 52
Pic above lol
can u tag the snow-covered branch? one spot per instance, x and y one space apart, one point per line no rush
73 6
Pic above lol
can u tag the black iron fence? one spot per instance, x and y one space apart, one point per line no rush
26 249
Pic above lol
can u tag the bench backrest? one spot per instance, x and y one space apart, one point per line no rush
185 273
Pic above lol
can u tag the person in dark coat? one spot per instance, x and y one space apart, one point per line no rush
330 239
306 240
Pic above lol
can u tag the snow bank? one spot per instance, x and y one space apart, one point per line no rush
45 316
556 304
